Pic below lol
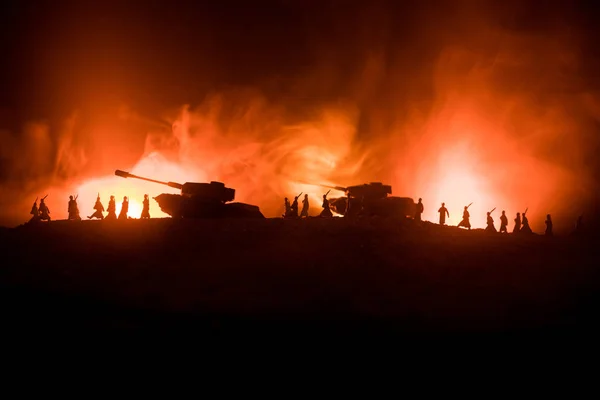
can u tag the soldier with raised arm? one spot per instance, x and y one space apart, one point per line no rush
44 210
73 209
294 207
99 209
490 222
465 219
326 210
525 228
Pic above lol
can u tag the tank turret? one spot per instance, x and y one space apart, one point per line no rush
373 199
199 200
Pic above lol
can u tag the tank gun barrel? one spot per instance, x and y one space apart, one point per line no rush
124 174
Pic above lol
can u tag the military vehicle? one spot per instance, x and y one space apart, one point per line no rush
371 199
200 200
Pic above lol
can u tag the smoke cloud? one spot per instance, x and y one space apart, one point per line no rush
468 108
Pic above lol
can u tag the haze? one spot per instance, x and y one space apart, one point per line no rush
453 102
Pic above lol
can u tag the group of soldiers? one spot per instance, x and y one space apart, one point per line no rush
42 213
291 210
521 220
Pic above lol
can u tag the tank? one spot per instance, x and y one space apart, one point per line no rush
372 199
199 200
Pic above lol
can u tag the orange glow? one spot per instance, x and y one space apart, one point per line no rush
458 184
153 166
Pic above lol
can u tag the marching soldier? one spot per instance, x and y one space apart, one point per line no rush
145 208
517 227
124 208
112 209
326 210
294 207
99 209
465 219
73 210
503 222
304 212
490 222
525 228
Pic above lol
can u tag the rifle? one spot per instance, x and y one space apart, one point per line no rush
76 197
469 205
492 210
327 192
44 198
526 211
299 194
36 199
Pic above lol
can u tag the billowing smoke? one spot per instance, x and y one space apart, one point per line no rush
465 108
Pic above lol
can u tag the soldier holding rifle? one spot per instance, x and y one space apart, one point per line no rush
99 209
326 211
44 210
294 208
34 211
490 222
465 220
72 209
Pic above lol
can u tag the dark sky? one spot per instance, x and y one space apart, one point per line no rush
61 55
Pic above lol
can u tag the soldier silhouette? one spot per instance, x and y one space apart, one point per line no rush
99 209
73 209
326 210
44 211
503 222
35 212
145 208
443 212
112 209
304 212
124 208
419 210
490 223
517 227
288 208
525 228
294 207
465 219
549 225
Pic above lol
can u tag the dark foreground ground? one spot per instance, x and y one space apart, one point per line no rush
313 276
